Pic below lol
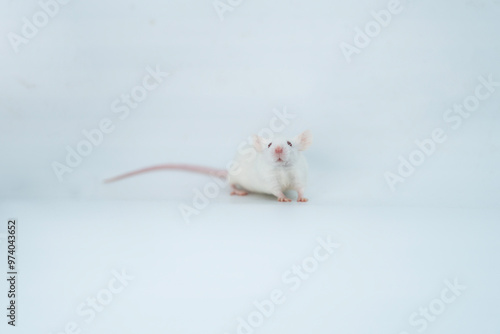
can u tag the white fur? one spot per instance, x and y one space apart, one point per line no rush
260 171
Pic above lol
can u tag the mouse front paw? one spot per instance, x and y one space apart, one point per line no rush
302 199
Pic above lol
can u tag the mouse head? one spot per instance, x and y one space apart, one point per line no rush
280 151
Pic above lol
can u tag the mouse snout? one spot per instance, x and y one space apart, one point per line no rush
278 150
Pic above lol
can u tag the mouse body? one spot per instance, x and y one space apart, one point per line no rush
277 166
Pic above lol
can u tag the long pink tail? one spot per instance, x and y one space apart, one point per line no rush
197 169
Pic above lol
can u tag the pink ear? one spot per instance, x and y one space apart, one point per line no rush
258 143
304 140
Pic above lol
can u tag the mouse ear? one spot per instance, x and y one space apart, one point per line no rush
258 143
304 140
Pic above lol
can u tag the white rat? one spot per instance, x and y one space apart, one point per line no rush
277 166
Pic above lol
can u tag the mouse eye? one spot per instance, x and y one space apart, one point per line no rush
269 145
289 143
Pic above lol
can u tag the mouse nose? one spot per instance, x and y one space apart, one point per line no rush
278 149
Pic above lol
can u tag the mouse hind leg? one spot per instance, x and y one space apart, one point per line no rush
238 192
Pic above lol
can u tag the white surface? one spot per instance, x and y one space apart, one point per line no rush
200 278
226 77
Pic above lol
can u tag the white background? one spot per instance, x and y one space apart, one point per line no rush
226 78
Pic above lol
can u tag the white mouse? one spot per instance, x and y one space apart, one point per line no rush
277 167
272 167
